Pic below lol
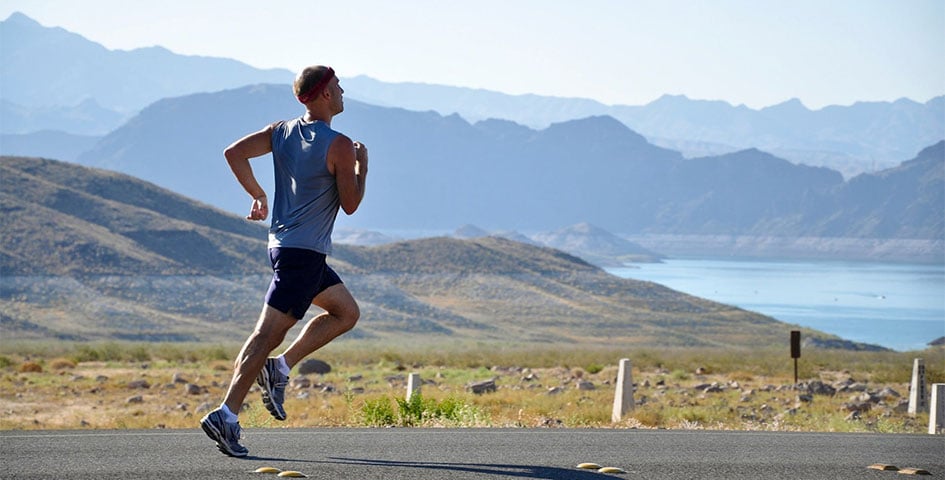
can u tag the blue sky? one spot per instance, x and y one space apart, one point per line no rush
757 53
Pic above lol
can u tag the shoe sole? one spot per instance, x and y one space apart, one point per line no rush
216 436
262 379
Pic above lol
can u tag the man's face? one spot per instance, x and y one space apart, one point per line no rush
337 101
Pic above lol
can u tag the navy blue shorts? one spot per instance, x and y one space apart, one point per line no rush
298 275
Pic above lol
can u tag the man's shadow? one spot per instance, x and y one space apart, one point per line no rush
505 471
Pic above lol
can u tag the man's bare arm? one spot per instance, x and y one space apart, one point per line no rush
238 155
348 162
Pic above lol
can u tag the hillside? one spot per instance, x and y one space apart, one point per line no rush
92 254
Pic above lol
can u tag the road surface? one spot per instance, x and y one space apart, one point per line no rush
474 453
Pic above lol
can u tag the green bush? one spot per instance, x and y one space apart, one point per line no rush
377 412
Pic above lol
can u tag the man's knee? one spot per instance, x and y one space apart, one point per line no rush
349 315
338 302
272 327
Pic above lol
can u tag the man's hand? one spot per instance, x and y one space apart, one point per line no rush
259 210
361 158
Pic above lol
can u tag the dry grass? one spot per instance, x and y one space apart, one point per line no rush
61 386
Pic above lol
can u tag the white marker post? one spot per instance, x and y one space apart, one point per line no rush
937 409
918 395
413 385
623 398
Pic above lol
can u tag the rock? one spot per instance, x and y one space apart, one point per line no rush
193 389
702 371
142 384
888 393
713 388
805 397
135 399
355 378
204 407
312 365
299 383
865 397
820 388
178 378
585 385
857 406
853 416
856 387
482 387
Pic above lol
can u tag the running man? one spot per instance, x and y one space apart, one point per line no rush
317 171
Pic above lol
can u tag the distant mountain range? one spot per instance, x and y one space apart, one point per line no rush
82 88
866 136
88 254
432 173
52 76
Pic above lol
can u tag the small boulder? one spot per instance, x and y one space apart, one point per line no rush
136 384
482 387
312 365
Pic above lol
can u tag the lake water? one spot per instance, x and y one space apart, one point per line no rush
899 306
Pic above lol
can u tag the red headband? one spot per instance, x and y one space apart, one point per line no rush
317 89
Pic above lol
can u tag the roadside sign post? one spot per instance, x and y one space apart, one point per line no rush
795 350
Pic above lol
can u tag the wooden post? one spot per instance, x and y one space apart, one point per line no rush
918 394
413 385
623 397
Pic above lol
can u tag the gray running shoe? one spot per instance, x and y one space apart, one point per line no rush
273 383
227 435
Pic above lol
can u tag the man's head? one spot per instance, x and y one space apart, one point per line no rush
312 81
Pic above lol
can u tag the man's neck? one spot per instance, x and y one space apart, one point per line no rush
314 115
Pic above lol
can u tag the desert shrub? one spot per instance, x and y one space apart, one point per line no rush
62 364
377 412
30 367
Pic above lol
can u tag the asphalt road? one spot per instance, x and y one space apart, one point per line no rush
407 454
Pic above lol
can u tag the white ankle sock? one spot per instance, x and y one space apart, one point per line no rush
283 367
230 416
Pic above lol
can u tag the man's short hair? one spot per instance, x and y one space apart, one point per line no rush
309 77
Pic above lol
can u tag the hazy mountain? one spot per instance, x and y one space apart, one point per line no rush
865 136
86 118
596 245
48 144
82 88
430 172
92 254
50 68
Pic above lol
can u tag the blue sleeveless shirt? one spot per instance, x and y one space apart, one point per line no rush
306 199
